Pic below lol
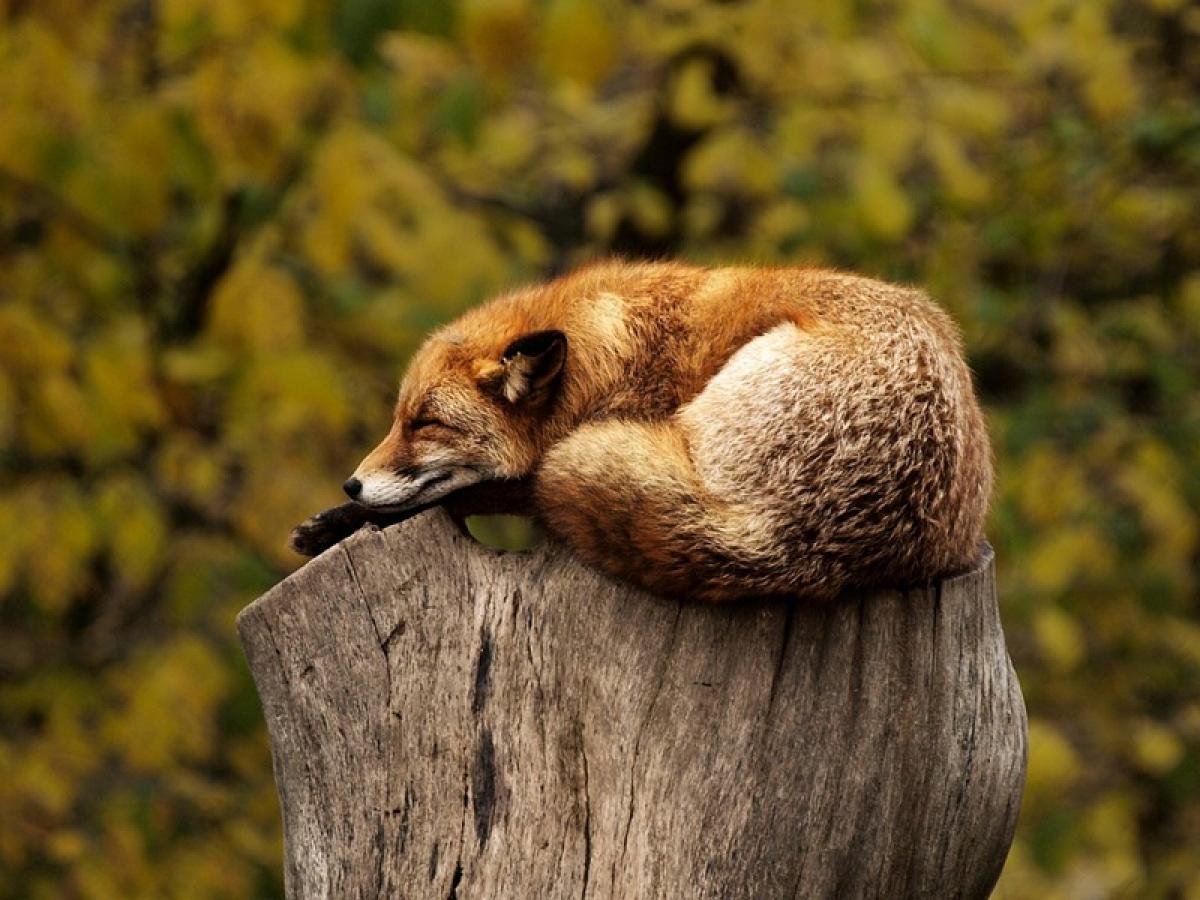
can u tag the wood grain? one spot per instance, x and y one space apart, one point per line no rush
452 722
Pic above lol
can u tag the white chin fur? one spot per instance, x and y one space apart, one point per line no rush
381 490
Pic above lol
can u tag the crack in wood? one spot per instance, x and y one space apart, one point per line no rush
781 657
485 786
587 816
483 668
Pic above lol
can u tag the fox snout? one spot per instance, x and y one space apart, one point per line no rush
397 489
395 478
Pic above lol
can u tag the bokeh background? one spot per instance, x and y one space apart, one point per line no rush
224 224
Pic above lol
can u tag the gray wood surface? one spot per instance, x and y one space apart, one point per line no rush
452 722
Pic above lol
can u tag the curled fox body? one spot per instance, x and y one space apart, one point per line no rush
703 433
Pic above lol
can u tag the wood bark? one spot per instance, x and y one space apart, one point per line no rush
452 722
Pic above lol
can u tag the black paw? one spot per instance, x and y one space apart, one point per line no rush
317 534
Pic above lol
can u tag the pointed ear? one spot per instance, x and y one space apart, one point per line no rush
530 366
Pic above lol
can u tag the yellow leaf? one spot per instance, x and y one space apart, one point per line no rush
511 138
1181 637
48 93
275 496
1067 555
1053 764
136 531
603 215
66 845
650 209
967 110
1112 825
499 35
702 215
529 243
1059 638
1156 748
693 102
963 180
201 364
299 397
883 206
578 41
29 344
780 222
251 107
888 138
186 468
165 715
1047 489
574 168
122 396
1153 480
426 62
60 545
59 418
45 786
257 308
126 188
731 160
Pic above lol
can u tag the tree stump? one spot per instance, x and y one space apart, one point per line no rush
450 721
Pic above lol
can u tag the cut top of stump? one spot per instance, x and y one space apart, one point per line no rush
450 721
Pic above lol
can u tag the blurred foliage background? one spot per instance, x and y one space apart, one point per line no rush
224 224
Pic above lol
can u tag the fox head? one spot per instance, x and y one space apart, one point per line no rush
469 410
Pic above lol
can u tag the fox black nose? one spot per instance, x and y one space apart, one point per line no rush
352 487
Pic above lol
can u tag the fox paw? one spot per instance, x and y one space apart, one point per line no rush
318 533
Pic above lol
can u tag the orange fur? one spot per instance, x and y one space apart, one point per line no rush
708 432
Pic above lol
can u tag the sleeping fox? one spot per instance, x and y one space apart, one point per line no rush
703 433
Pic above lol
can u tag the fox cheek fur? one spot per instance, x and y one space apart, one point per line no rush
710 433
449 436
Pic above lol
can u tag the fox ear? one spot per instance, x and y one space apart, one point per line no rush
530 366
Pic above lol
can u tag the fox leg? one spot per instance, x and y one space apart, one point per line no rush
318 533
504 497
628 499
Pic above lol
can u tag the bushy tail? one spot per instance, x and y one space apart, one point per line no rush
627 498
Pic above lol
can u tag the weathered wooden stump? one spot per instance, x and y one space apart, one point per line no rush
448 721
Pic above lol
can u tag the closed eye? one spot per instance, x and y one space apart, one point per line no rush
423 423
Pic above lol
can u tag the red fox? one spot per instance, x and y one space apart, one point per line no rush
704 433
